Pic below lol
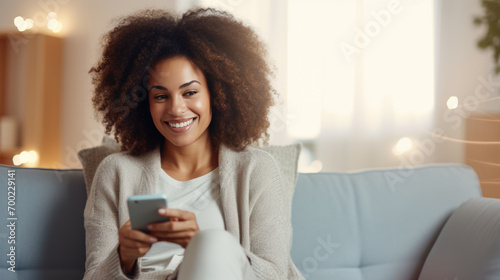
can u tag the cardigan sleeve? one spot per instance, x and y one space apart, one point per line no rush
270 228
101 220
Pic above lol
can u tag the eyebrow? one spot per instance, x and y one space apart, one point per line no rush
180 87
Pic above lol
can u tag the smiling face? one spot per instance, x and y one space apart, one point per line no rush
179 102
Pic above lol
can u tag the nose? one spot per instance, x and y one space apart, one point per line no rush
177 106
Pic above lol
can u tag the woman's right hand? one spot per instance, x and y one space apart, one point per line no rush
133 244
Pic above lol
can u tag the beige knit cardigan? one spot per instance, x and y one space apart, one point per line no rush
253 200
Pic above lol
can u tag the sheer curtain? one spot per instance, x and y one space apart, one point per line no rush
370 71
356 78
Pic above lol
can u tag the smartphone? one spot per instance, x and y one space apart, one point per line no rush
143 210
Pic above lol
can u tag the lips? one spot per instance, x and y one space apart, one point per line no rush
180 125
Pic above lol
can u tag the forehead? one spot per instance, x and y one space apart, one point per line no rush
175 70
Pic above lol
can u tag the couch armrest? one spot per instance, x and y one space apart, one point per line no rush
468 247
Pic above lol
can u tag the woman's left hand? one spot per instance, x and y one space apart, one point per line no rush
179 230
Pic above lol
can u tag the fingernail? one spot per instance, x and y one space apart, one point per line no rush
161 211
150 227
152 239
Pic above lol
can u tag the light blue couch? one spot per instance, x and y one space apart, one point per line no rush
385 224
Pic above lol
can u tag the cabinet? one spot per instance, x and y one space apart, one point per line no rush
482 151
40 108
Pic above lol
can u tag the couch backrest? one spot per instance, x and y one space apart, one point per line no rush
49 234
376 224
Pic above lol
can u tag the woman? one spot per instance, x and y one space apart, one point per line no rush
185 98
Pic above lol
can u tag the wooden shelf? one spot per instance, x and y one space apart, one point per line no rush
6 157
3 73
41 129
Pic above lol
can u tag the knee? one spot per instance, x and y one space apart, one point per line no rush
213 254
214 240
212 236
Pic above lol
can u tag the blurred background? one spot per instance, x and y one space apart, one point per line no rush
362 83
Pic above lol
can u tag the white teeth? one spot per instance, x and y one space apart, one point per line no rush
182 124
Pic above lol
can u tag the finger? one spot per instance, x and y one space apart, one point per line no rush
176 240
138 236
169 235
173 226
133 244
176 213
180 241
134 252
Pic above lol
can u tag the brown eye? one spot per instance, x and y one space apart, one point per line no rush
190 93
161 97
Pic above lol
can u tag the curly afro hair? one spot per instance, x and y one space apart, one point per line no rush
229 53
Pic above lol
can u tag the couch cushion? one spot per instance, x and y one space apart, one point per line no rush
49 232
468 247
376 224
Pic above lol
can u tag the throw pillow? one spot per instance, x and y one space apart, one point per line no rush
287 158
468 246
92 157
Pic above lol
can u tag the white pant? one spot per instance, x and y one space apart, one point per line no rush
215 254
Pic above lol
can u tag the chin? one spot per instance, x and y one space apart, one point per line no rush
179 143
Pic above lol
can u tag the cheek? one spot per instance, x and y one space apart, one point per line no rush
203 106
204 111
154 111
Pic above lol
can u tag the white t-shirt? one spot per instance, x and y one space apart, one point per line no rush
200 196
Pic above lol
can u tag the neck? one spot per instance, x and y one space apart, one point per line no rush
189 161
